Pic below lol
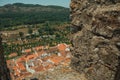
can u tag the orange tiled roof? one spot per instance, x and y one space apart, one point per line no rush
41 52
16 72
21 66
27 50
46 58
39 68
25 75
32 56
54 58
13 55
57 59
15 67
21 59
8 62
62 47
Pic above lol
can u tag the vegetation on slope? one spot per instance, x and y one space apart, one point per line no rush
21 14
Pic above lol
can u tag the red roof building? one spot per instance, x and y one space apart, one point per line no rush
62 47
48 61
38 48
12 55
27 50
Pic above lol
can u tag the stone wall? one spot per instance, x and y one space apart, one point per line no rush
4 71
96 38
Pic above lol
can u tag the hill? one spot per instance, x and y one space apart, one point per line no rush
20 14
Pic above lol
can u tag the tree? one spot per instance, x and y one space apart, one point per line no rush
21 34
40 31
30 31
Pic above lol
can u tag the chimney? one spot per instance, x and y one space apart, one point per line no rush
4 71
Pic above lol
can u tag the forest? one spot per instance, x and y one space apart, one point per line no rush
22 14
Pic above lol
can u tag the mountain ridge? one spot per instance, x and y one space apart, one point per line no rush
28 7
20 14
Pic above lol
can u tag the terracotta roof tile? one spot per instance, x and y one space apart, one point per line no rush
62 47
22 58
39 48
26 74
41 52
12 55
15 67
21 66
28 50
20 70
39 68
16 72
8 62
57 60
46 58
32 56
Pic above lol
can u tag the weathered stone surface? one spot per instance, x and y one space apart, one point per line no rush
4 71
96 46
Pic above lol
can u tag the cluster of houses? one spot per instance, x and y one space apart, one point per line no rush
41 59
